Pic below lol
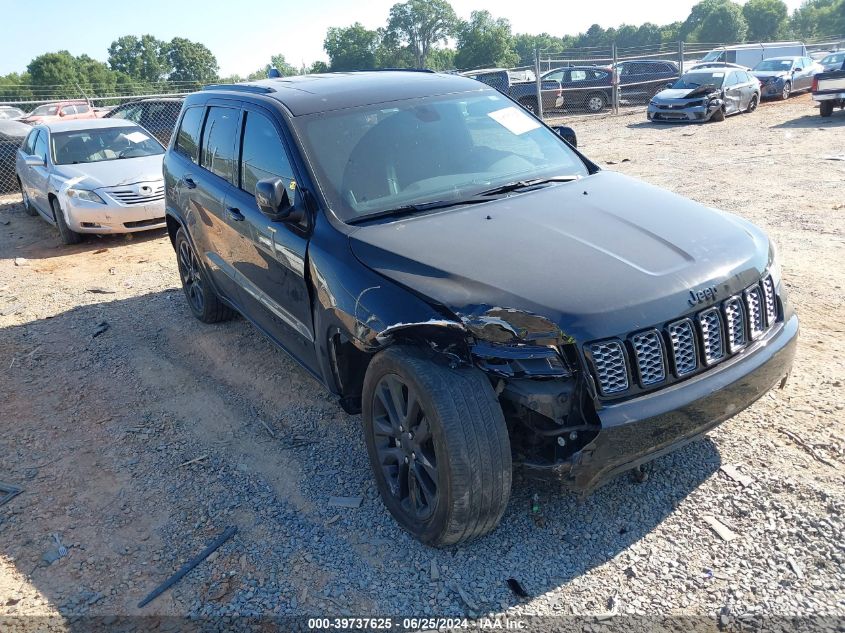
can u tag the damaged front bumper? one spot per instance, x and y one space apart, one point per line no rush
670 112
640 430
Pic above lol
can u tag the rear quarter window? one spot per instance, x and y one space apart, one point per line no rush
188 137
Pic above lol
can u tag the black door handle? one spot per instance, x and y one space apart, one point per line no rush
234 214
189 182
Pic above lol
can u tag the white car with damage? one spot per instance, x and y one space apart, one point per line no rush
92 176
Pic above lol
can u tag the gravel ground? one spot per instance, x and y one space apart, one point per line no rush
140 444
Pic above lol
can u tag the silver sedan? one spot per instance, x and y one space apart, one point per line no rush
92 176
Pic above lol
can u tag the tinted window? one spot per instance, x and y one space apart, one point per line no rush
40 148
263 154
188 138
82 109
218 142
69 109
29 142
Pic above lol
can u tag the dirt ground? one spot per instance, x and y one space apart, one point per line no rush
98 429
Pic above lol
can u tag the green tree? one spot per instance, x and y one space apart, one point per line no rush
96 78
143 59
421 24
15 86
191 62
724 24
766 19
351 48
526 44
55 70
279 62
442 59
819 18
485 41
319 67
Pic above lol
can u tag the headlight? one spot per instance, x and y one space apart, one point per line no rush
84 194
774 262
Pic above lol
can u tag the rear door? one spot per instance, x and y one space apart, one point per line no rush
270 256
733 92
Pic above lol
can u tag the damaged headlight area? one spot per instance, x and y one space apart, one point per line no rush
549 415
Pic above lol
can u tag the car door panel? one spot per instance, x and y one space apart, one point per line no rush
270 257
39 176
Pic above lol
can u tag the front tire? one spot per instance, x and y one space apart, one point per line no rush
68 236
438 446
787 90
718 115
202 299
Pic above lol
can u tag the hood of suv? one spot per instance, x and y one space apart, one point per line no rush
599 257
113 173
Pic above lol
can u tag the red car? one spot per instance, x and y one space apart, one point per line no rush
60 111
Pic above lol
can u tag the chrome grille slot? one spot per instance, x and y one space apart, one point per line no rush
711 335
648 350
683 347
130 197
609 361
754 305
735 324
771 301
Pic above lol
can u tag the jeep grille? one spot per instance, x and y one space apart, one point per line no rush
681 348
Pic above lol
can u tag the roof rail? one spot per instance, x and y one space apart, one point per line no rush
240 88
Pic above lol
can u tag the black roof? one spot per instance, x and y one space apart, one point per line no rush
308 94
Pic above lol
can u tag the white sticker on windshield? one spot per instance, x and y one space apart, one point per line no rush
137 137
514 120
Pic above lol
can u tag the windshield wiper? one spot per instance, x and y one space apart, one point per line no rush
522 184
409 209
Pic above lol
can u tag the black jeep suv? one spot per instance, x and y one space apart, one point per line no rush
484 294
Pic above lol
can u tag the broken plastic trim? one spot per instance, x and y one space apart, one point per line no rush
388 333
519 361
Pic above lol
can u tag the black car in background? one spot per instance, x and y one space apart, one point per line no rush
157 116
12 134
591 87
481 292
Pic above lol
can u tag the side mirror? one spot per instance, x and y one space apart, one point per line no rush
272 199
567 134
62 113
32 160
798 70
669 84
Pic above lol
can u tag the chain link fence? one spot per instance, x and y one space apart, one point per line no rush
586 81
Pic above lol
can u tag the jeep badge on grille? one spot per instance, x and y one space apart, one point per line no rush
700 296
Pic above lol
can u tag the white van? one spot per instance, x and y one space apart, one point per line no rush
752 54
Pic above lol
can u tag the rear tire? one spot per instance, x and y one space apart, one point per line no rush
826 108
752 105
438 445
68 236
27 205
202 299
596 102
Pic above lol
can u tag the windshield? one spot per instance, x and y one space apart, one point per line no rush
713 56
94 146
774 64
694 80
379 157
45 110
838 58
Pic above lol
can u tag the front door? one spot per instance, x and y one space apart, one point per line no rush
270 257
38 176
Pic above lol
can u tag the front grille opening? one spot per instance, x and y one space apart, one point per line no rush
648 350
711 336
140 223
735 324
683 347
754 305
609 361
771 300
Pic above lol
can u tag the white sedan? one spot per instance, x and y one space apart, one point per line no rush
92 176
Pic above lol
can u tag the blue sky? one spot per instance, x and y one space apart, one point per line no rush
244 34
